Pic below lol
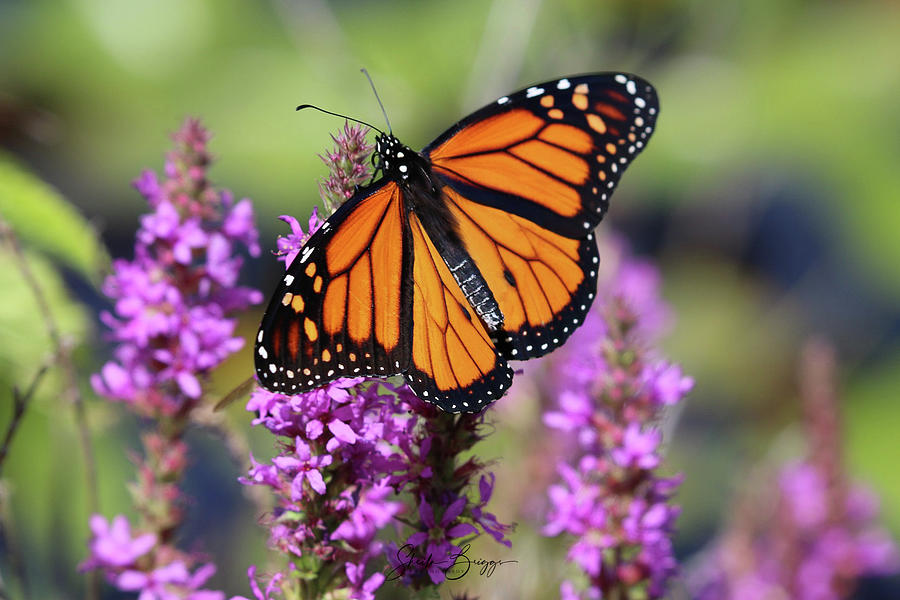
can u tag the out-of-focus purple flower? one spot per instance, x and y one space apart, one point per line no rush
112 545
169 582
610 391
817 532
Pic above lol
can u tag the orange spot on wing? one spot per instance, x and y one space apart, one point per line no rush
546 100
555 113
310 269
326 355
312 332
568 137
387 266
286 299
611 148
317 284
581 88
596 123
297 304
580 101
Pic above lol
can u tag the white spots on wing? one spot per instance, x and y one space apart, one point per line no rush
632 89
288 280
621 78
259 336
262 352
306 253
533 91
503 100
563 84
402 168
641 103
272 368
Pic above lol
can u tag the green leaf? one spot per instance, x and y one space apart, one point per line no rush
42 218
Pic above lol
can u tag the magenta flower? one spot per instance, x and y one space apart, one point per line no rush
306 466
112 544
289 246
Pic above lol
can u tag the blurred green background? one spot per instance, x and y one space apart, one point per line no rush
770 197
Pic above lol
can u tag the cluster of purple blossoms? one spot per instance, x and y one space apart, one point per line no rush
171 324
614 390
358 455
817 535
172 301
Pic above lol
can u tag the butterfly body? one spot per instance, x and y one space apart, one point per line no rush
474 252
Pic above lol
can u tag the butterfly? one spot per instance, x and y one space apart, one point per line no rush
476 251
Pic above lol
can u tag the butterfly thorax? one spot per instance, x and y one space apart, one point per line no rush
400 162
423 195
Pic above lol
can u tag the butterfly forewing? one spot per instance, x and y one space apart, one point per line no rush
552 153
340 310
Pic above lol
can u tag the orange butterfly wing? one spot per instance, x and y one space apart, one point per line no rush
552 153
528 178
454 362
341 310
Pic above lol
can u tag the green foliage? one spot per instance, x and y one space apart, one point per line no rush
43 219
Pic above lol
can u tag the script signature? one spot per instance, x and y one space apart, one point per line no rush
456 566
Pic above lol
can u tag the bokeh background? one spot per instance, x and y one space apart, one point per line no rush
769 197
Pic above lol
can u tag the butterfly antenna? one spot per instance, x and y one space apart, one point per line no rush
384 112
328 112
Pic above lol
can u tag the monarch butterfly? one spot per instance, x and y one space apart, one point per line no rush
477 251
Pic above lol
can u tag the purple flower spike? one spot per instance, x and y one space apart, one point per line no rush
354 454
610 498
172 323
818 532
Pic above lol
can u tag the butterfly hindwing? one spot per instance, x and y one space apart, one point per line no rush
552 153
340 310
454 363
544 283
